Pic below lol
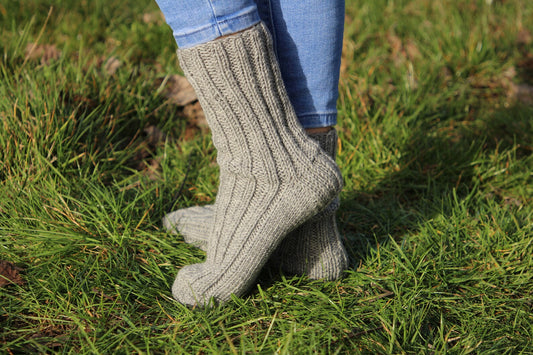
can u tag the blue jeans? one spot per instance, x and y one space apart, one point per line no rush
307 38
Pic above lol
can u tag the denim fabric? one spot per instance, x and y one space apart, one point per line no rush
308 42
307 38
198 21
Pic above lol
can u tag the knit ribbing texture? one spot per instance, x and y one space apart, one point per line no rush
314 249
272 176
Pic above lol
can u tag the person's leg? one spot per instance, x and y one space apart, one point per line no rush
308 44
308 40
313 249
201 21
272 176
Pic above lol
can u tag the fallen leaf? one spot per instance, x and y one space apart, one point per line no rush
412 50
525 67
493 87
111 65
195 115
511 201
153 170
196 121
9 274
46 53
395 43
143 160
509 73
521 92
154 136
155 17
177 90
445 75
524 37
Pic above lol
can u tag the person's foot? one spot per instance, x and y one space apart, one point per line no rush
313 249
272 176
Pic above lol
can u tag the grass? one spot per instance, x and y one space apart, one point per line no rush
436 130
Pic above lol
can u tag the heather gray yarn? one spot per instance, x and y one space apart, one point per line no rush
194 223
313 249
272 176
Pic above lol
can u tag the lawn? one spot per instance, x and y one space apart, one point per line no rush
98 142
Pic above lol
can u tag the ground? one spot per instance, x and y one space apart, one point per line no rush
100 137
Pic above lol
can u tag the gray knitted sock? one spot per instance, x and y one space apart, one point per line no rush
313 249
194 223
272 176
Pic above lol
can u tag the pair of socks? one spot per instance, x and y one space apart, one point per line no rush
313 249
273 177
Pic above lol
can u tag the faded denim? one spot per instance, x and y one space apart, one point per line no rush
307 38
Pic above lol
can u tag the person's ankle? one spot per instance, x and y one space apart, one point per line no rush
317 130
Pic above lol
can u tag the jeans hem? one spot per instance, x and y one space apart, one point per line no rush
318 120
220 27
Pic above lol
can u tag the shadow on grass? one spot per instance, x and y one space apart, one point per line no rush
441 160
